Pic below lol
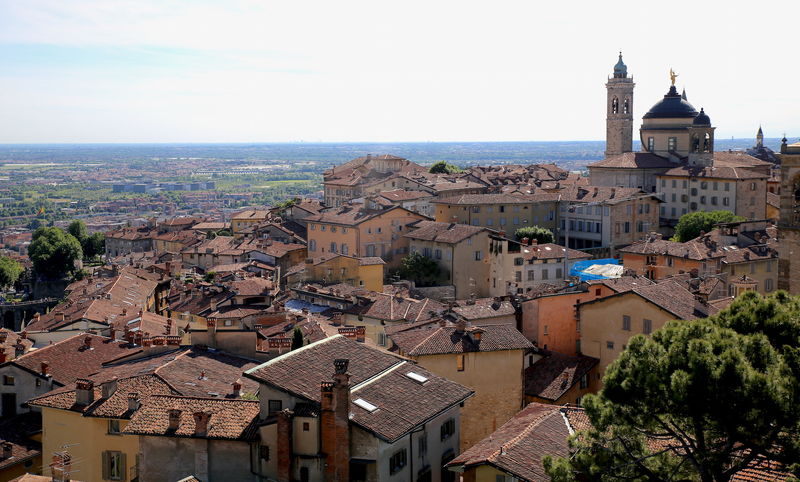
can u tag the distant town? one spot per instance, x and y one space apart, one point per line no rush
581 313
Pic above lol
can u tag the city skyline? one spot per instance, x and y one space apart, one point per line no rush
263 72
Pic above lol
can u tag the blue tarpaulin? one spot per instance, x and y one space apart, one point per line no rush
578 268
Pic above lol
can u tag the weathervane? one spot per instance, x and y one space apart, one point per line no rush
672 75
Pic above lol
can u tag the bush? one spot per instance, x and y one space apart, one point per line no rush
690 225
420 269
541 235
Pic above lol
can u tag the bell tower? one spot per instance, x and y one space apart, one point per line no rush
789 222
619 111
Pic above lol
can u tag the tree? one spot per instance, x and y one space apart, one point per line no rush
78 230
697 400
94 245
9 271
443 167
297 339
420 269
541 235
53 252
690 225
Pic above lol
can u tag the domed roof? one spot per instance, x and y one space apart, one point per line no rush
702 119
620 69
672 106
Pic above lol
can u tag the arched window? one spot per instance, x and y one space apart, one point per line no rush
625 107
707 143
695 143
614 105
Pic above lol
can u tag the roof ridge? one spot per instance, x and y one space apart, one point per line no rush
378 376
426 338
524 432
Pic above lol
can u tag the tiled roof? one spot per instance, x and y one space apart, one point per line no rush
210 226
397 308
230 419
401 195
443 232
738 159
72 358
350 216
551 251
634 160
478 199
448 339
250 214
402 402
9 341
624 283
672 297
253 286
484 308
552 376
599 194
715 172
17 431
519 445
705 247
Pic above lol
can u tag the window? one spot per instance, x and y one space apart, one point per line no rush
544 332
713 200
437 254
545 274
502 221
274 406
647 326
518 261
312 245
478 255
531 275
727 186
322 227
113 465
333 247
448 429
672 144
8 380
768 284
490 222
752 186
584 381
626 322
460 363
703 184
663 183
518 276
558 273
345 249
306 427
382 339
610 345
726 201
627 226
313 227
397 461
333 229
113 427
651 144
344 230
422 445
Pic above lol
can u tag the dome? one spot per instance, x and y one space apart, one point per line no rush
672 106
702 119
620 69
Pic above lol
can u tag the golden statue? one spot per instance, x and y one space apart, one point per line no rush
672 76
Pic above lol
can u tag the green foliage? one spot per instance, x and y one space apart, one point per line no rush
9 271
690 224
297 339
53 252
697 400
284 205
420 269
444 167
541 235
209 276
93 245
224 232
78 230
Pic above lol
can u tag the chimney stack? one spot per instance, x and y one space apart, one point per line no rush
44 367
84 392
109 387
211 324
174 416
284 443
237 387
7 450
61 466
133 401
335 423
461 326
201 423
3 356
87 343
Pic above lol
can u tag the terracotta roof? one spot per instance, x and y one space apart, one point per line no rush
397 308
773 200
708 246
623 283
633 160
253 286
348 215
17 431
448 339
738 159
715 172
230 419
551 251
9 341
211 226
519 445
403 403
401 195
450 233
72 358
478 199
552 376
250 214
484 308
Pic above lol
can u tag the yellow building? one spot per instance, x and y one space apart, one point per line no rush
364 273
355 231
247 219
606 324
502 212
489 360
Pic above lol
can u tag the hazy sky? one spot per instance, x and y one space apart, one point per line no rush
433 70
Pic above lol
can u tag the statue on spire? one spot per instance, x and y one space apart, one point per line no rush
672 76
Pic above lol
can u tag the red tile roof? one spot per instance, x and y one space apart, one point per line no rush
552 376
449 233
450 340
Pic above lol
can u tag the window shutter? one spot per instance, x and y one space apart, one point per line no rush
123 466
106 472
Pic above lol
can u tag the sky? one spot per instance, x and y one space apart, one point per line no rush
378 71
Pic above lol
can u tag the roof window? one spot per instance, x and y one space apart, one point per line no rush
417 377
365 405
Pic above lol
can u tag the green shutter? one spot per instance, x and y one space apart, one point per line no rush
123 466
104 457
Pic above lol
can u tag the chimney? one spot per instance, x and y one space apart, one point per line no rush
476 334
87 343
525 241
212 332
61 466
461 326
19 349
174 416
133 402
284 443
112 333
24 335
213 305
6 446
44 367
84 392
335 423
237 387
109 387
201 423
3 356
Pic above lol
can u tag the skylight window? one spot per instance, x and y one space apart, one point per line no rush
548 248
417 377
365 405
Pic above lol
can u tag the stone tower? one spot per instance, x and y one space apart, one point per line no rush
759 138
789 222
619 111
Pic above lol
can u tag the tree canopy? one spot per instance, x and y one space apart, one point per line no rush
53 252
541 235
297 339
691 224
697 400
78 230
420 269
443 167
9 271
94 245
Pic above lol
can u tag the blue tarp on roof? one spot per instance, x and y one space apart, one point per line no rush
579 266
